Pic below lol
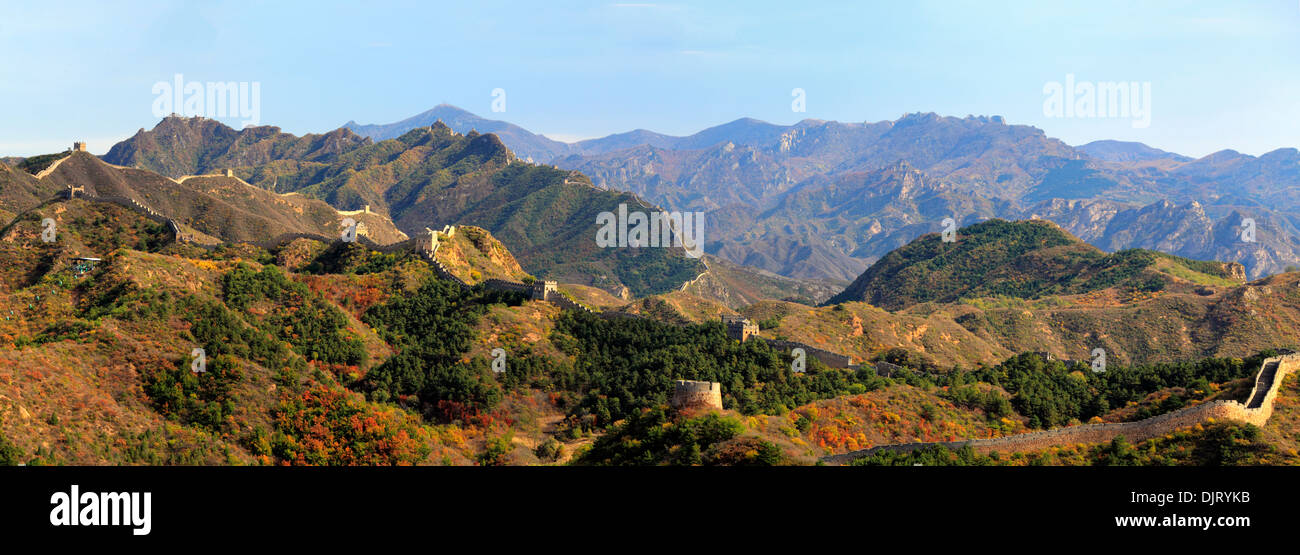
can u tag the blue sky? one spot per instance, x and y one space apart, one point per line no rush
1222 74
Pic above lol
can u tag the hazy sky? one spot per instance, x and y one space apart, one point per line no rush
1222 74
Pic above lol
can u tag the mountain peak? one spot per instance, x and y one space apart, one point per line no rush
1025 259
1127 151
179 146
523 142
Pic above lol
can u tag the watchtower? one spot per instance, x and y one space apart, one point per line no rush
433 240
543 289
1044 356
79 146
689 394
739 328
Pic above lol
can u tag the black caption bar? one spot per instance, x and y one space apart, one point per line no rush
739 506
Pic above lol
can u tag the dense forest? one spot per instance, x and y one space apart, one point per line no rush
1051 394
627 364
433 328
653 437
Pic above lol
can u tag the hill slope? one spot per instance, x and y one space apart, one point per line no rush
431 177
1027 260
180 146
746 167
381 362
221 207
521 141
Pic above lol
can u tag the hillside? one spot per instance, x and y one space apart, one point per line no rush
676 308
741 173
1183 430
432 177
521 141
96 361
1026 260
96 364
300 345
21 191
179 146
1132 327
473 255
222 207
739 286
835 228
1124 151
1189 230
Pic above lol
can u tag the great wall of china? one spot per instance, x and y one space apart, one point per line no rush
1257 409
426 247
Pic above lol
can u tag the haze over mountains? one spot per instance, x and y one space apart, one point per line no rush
824 199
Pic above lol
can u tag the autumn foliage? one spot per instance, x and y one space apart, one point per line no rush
330 427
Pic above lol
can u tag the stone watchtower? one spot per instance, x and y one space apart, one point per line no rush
697 395
738 328
433 240
79 146
543 290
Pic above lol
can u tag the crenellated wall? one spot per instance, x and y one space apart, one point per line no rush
568 304
831 359
503 285
1272 372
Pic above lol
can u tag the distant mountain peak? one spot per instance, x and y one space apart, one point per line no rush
523 142
1127 151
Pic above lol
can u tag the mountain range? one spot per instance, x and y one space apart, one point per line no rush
350 337
824 199
211 208
429 177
